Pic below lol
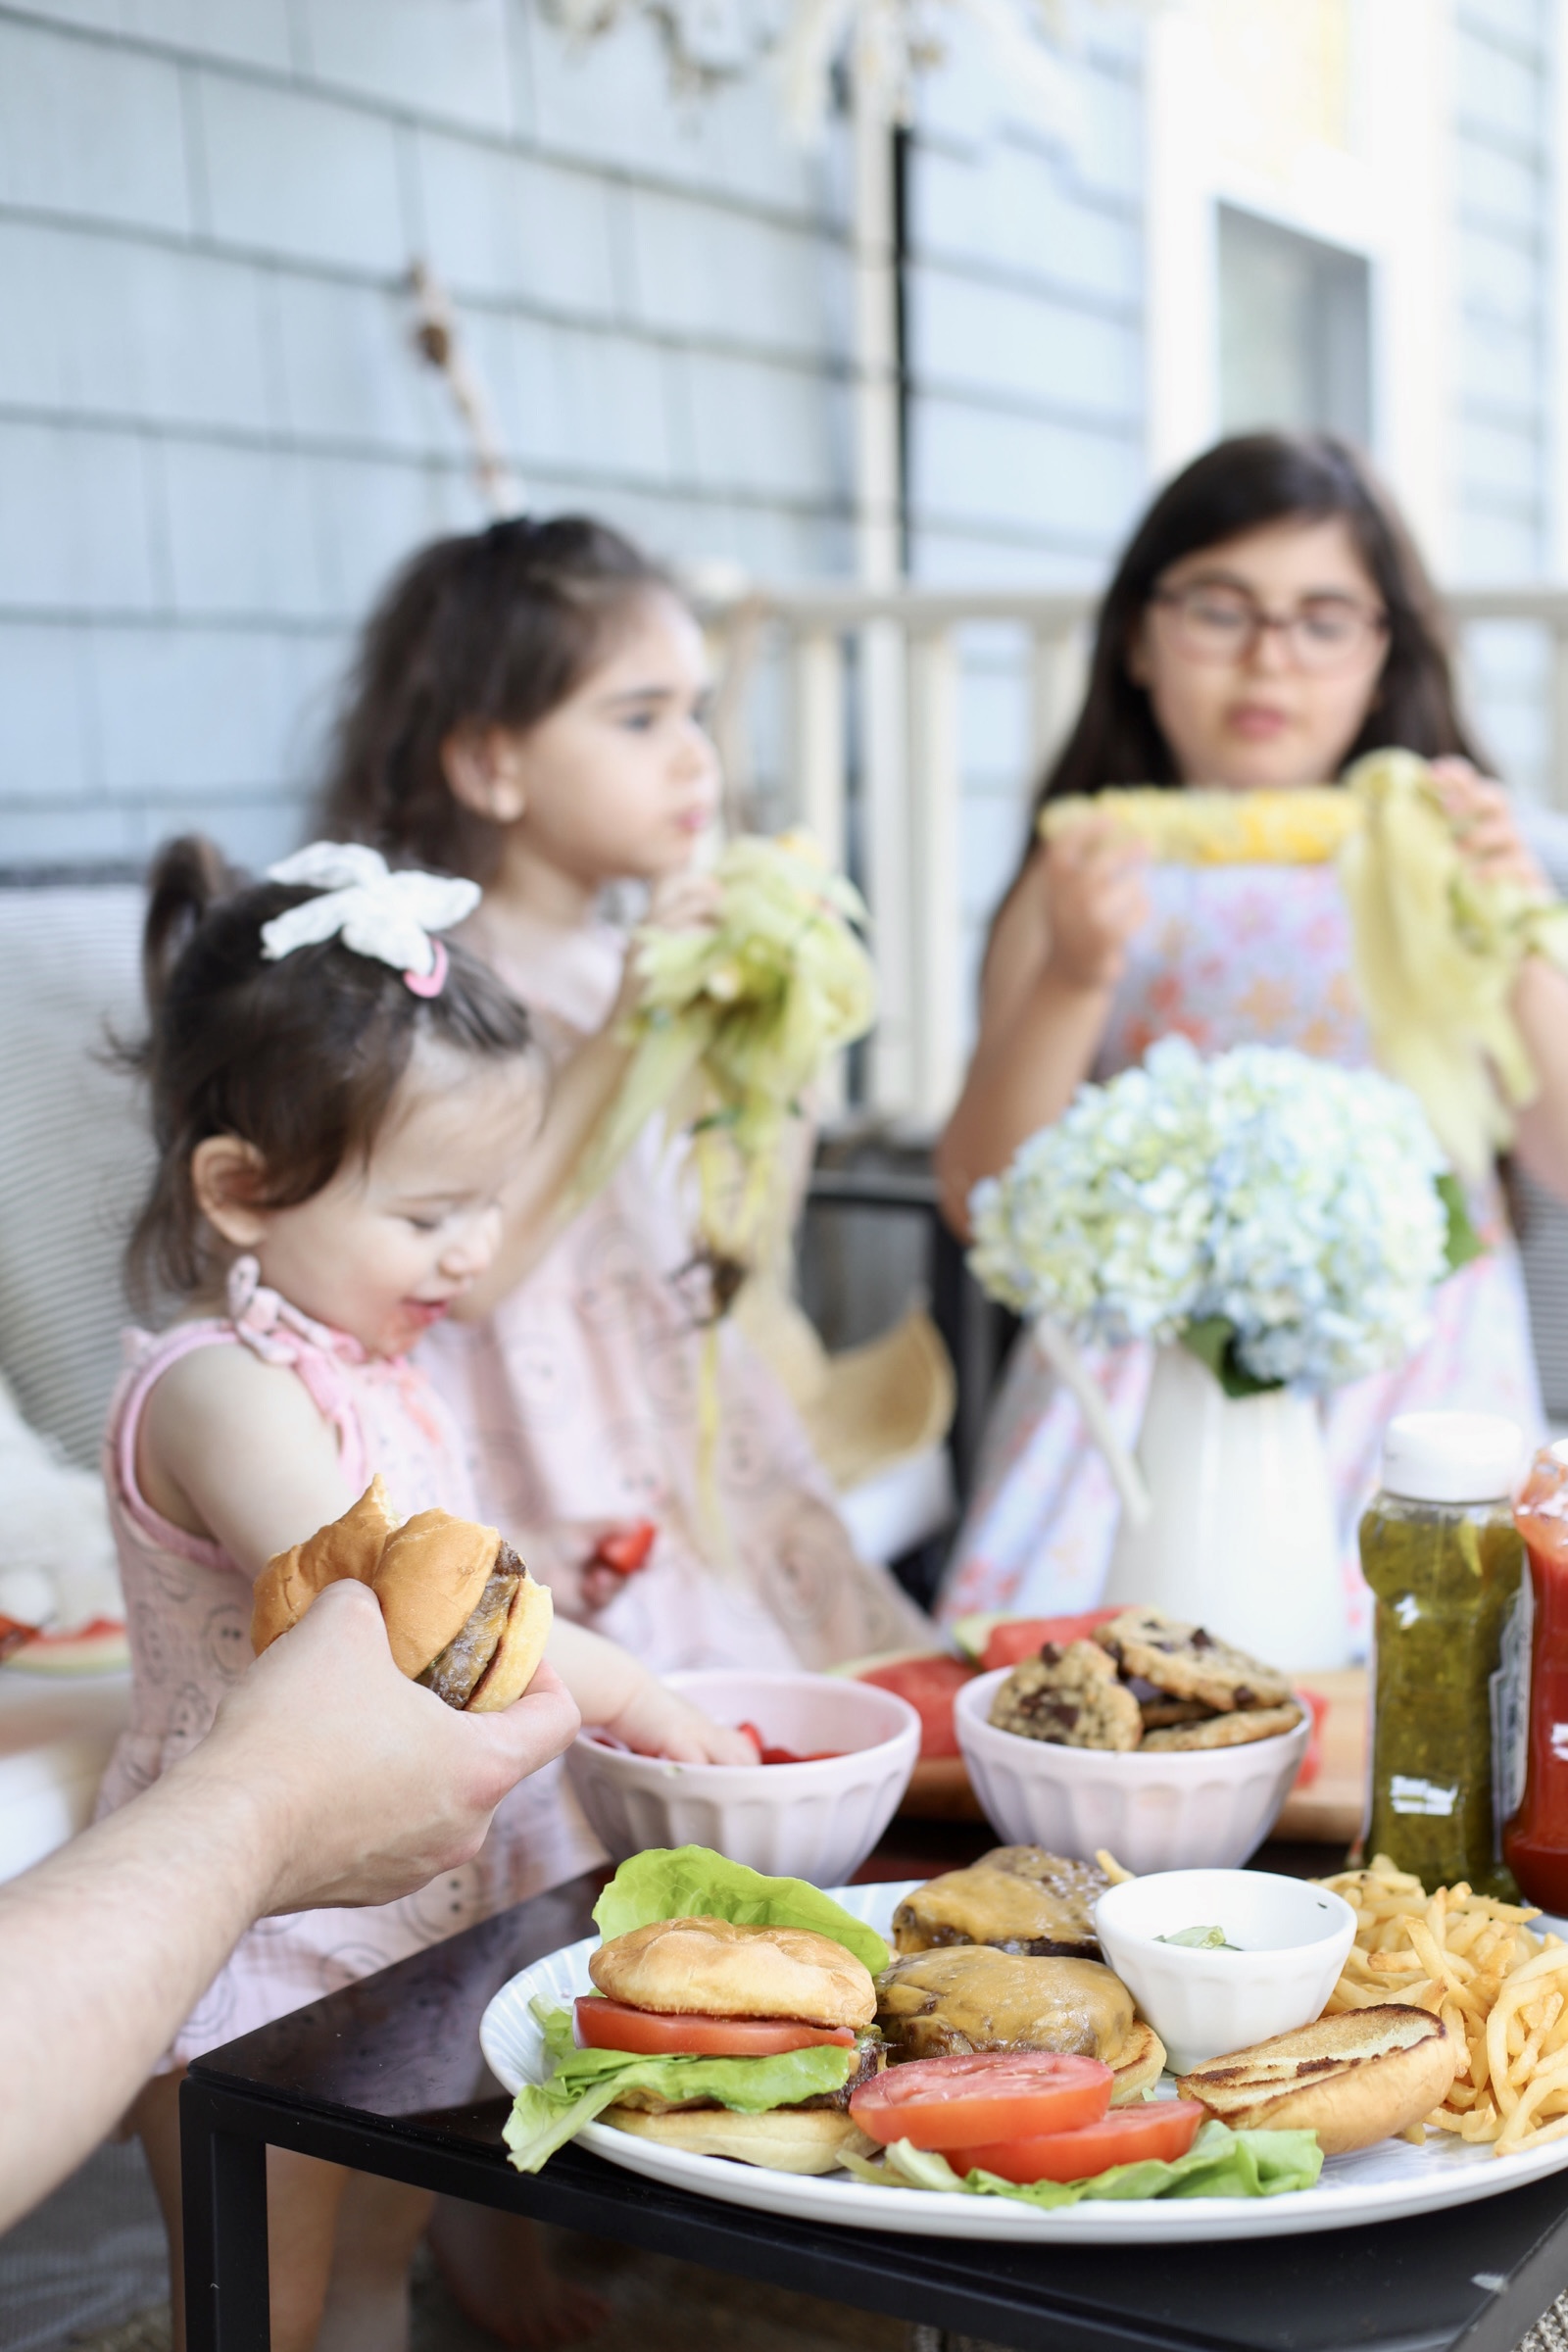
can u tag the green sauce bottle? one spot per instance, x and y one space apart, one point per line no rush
1441 1553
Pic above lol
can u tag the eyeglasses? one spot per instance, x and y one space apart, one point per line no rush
1214 622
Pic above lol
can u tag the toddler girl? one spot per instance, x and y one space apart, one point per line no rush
528 711
1269 623
338 1098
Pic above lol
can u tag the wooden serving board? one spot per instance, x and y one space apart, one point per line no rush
1326 1812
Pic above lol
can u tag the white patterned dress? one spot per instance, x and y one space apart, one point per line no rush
188 1613
1231 956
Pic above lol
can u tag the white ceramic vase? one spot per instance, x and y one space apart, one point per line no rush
1239 1535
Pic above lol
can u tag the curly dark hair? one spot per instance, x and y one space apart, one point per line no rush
492 627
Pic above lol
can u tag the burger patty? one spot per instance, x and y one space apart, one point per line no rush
456 1672
869 2058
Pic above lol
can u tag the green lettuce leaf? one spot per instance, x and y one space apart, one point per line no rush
1220 2163
583 2082
688 1882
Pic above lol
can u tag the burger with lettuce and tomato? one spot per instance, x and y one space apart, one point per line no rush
733 2015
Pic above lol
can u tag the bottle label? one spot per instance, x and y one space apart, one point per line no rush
1436 1798
1508 1690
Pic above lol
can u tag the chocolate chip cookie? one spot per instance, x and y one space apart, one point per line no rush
1070 1696
1188 1663
1235 1729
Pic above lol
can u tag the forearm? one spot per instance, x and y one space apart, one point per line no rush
581 1092
603 1677
105 1949
1540 1009
1022 1078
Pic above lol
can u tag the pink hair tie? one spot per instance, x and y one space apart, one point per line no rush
430 983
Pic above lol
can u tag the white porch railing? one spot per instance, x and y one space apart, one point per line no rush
873 691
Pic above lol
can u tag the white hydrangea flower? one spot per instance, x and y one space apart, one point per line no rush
1293 1200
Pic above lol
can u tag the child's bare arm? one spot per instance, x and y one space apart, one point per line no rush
582 1089
234 1449
617 1695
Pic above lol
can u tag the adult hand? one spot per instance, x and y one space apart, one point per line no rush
1089 889
367 1786
1486 828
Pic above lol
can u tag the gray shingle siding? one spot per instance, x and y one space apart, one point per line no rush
213 440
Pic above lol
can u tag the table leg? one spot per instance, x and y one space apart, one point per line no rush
224 2199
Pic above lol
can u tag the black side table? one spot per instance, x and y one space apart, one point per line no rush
387 2078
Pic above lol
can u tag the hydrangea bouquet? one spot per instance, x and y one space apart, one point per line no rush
1286 1219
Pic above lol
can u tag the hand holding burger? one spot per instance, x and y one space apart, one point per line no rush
465 1618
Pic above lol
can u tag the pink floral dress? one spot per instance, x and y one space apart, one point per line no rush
1232 956
188 1613
581 1396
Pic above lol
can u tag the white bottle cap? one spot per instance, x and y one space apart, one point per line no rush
1451 1457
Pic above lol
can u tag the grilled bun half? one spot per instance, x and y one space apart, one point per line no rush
1353 2079
463 1614
789 2139
710 1967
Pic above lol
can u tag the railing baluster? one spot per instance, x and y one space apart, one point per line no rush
888 852
937 898
1057 676
817 740
1557 756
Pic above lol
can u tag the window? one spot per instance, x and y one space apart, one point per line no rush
1293 330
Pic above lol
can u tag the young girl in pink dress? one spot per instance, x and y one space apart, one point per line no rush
528 711
337 1099
1269 622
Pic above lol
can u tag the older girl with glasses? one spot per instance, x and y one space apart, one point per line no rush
1269 622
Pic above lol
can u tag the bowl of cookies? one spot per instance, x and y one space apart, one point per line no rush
1152 1738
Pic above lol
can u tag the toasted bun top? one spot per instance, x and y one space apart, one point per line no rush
351 1547
1352 2079
711 1967
431 1574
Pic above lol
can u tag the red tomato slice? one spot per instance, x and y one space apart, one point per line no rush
625 1550
1162 2128
930 1685
786 1755
605 2025
960 2102
1020 1638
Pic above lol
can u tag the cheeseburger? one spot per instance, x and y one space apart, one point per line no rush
463 1614
708 1987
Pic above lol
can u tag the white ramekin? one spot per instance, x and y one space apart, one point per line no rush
1171 1809
1293 1938
804 1821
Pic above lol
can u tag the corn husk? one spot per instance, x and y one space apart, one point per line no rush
1436 953
1436 950
733 1025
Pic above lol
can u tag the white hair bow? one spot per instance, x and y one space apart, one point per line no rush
376 911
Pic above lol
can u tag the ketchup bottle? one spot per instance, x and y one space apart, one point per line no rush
1534 1841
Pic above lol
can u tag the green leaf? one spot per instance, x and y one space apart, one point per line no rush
688 1882
1463 1245
582 2083
1220 2163
1212 1339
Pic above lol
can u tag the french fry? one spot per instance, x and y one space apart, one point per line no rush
1500 1988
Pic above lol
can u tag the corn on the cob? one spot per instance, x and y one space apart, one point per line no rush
1306 826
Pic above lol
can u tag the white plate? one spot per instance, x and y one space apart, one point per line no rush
1377 2185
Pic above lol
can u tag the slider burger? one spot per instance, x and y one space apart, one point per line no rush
463 1614
706 1987
732 2015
